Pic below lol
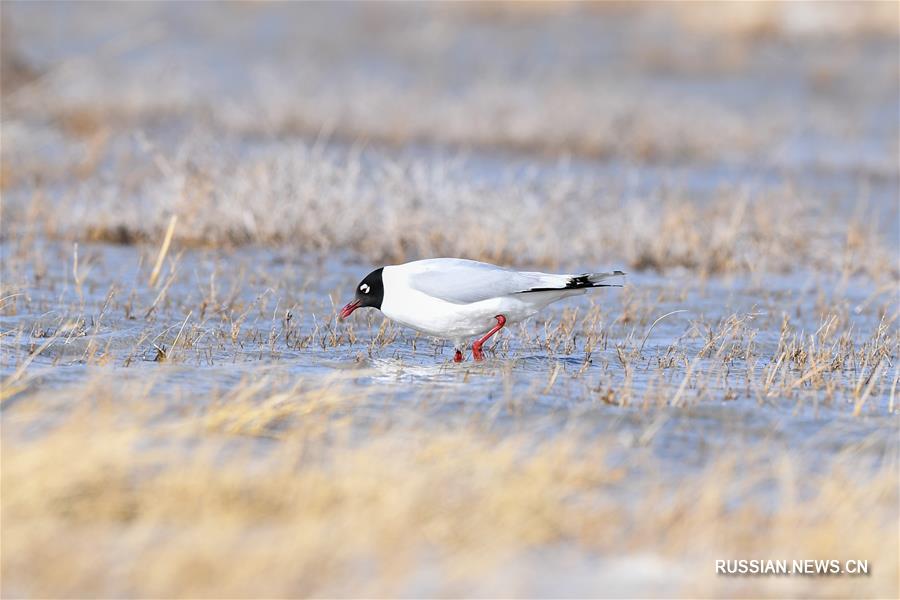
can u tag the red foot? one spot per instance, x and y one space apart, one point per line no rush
477 353
458 357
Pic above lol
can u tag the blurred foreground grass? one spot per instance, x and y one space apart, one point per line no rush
273 490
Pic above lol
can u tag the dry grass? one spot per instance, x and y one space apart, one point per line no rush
463 76
392 209
90 306
183 191
93 150
282 491
140 480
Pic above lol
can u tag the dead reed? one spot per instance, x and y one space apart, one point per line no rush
288 490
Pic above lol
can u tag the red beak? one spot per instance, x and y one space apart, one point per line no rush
348 310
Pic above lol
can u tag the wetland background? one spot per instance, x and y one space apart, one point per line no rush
189 190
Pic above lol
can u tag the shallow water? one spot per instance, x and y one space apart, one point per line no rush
229 316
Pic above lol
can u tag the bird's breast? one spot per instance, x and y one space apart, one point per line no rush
440 318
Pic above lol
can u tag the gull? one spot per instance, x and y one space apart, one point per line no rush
456 299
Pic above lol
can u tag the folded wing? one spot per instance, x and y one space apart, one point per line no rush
464 281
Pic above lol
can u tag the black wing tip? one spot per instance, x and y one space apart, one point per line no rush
580 282
584 281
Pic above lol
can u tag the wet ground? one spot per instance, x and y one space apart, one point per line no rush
692 383
743 172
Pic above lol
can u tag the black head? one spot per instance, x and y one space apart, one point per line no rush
369 292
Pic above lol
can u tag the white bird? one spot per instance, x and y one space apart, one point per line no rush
454 298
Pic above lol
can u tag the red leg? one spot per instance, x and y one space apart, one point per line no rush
458 357
477 354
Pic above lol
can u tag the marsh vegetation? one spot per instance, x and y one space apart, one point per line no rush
189 192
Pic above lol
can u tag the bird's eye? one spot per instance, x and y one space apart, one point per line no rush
364 288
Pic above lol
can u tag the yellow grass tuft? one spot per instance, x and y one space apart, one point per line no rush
116 497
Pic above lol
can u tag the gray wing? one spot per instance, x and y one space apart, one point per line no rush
464 281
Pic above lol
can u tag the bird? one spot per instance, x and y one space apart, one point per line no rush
456 298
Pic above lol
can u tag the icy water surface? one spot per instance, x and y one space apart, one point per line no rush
707 376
